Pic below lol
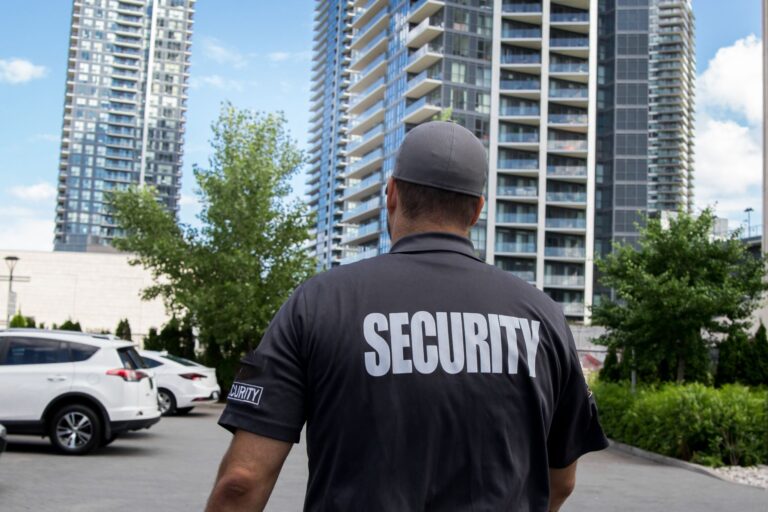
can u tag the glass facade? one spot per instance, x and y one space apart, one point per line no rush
124 112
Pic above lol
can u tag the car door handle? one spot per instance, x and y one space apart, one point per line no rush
57 378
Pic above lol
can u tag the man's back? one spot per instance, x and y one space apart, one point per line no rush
429 381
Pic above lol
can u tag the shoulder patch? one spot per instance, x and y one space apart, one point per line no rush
245 393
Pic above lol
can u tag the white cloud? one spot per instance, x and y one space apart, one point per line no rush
38 192
26 229
219 52
732 81
19 71
217 82
728 169
284 56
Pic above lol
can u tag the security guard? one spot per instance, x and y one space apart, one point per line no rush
428 379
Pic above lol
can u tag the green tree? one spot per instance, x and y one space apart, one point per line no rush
233 272
123 330
18 321
69 325
674 291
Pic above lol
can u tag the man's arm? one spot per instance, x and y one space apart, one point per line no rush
247 473
561 485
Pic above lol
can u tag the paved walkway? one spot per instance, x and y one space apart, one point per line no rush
172 466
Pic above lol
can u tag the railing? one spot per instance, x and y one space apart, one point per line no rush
569 17
360 232
370 157
371 65
521 7
365 28
520 111
519 137
569 42
566 170
517 191
368 253
563 280
568 118
367 114
363 207
573 308
567 197
516 247
368 90
566 223
429 48
416 105
567 145
569 67
568 93
360 185
518 163
373 132
422 26
565 252
516 218
365 49
519 58
520 85
363 10
521 33
424 75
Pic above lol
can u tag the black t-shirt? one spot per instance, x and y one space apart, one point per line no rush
428 380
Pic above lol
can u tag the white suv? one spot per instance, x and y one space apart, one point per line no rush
80 390
181 384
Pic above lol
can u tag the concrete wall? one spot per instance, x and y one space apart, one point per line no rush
96 290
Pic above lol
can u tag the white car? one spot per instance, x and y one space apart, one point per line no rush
182 384
79 390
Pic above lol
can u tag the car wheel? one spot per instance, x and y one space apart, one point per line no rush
183 411
167 402
75 430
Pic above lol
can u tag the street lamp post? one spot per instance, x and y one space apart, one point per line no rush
749 211
11 262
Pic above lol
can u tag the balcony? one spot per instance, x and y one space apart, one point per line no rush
567 171
521 9
372 71
569 17
368 97
574 71
515 218
532 111
422 83
521 33
516 247
581 93
572 308
362 234
517 192
521 61
567 197
362 255
423 9
423 33
365 12
576 147
566 223
366 164
366 54
368 119
370 29
366 142
566 252
568 42
424 57
362 210
518 164
530 89
421 110
565 281
361 188
568 119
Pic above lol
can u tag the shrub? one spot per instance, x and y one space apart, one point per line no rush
692 422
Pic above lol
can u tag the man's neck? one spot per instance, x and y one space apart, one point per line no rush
399 232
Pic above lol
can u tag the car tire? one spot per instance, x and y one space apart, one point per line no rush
183 411
75 430
167 402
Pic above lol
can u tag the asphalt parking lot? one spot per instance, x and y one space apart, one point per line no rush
171 468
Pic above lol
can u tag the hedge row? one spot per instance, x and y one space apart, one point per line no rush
691 422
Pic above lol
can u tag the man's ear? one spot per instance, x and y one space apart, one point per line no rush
391 195
478 210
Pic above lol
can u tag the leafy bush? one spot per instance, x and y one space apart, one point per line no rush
743 360
692 422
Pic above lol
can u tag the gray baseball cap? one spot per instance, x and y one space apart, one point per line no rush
443 155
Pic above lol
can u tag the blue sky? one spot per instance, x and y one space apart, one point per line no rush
256 54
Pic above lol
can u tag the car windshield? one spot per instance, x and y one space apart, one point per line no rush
180 360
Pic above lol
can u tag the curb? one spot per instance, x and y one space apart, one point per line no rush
671 461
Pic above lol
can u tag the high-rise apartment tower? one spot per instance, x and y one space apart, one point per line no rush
124 111
520 74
